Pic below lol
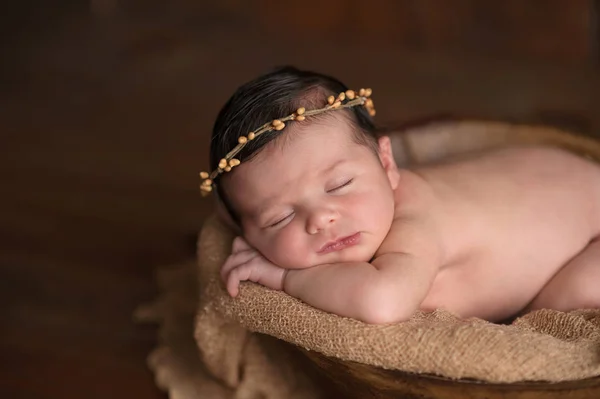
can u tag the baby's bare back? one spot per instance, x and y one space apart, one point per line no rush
509 219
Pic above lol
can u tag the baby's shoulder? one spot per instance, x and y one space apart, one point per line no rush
413 230
529 154
503 161
533 160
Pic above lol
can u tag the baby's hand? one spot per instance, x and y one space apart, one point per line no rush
246 263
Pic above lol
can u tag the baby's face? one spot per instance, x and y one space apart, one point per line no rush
317 198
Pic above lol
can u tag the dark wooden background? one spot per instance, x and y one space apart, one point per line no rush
106 108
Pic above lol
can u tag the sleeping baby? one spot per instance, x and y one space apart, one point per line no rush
324 213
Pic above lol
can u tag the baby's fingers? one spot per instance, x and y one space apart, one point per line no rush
233 285
240 273
239 244
235 260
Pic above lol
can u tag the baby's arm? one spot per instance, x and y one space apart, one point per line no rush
387 290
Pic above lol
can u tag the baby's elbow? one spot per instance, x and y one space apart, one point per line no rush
379 308
384 315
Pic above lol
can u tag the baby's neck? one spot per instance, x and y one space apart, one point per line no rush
416 198
412 191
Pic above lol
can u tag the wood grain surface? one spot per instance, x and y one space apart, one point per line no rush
106 110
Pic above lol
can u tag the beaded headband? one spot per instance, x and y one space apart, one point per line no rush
345 99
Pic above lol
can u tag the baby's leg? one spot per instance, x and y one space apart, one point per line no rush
575 286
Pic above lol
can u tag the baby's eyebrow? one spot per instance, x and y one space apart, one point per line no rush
334 165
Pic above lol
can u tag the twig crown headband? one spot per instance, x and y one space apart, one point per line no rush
347 99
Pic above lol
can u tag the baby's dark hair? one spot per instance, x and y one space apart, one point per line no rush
274 95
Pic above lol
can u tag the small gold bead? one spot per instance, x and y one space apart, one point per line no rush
251 136
280 127
222 163
350 94
368 92
242 139
300 117
372 112
206 188
330 100
336 104
300 110
342 96
203 175
369 102
361 92
276 123
227 168
207 182
234 162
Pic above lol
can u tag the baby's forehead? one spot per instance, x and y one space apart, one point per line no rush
331 128
301 153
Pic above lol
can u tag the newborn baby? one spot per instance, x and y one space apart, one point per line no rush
325 214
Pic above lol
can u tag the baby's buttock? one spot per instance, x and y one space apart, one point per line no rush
492 288
516 230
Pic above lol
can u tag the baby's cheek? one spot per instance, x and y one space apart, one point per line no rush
361 202
372 210
291 248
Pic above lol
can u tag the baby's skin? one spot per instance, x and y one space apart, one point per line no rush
341 227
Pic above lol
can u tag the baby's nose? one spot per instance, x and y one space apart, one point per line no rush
321 220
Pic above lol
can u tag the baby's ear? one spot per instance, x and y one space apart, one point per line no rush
386 157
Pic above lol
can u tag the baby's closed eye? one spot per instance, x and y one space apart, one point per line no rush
340 186
281 220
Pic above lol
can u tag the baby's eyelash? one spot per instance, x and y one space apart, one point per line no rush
280 220
340 186
283 219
